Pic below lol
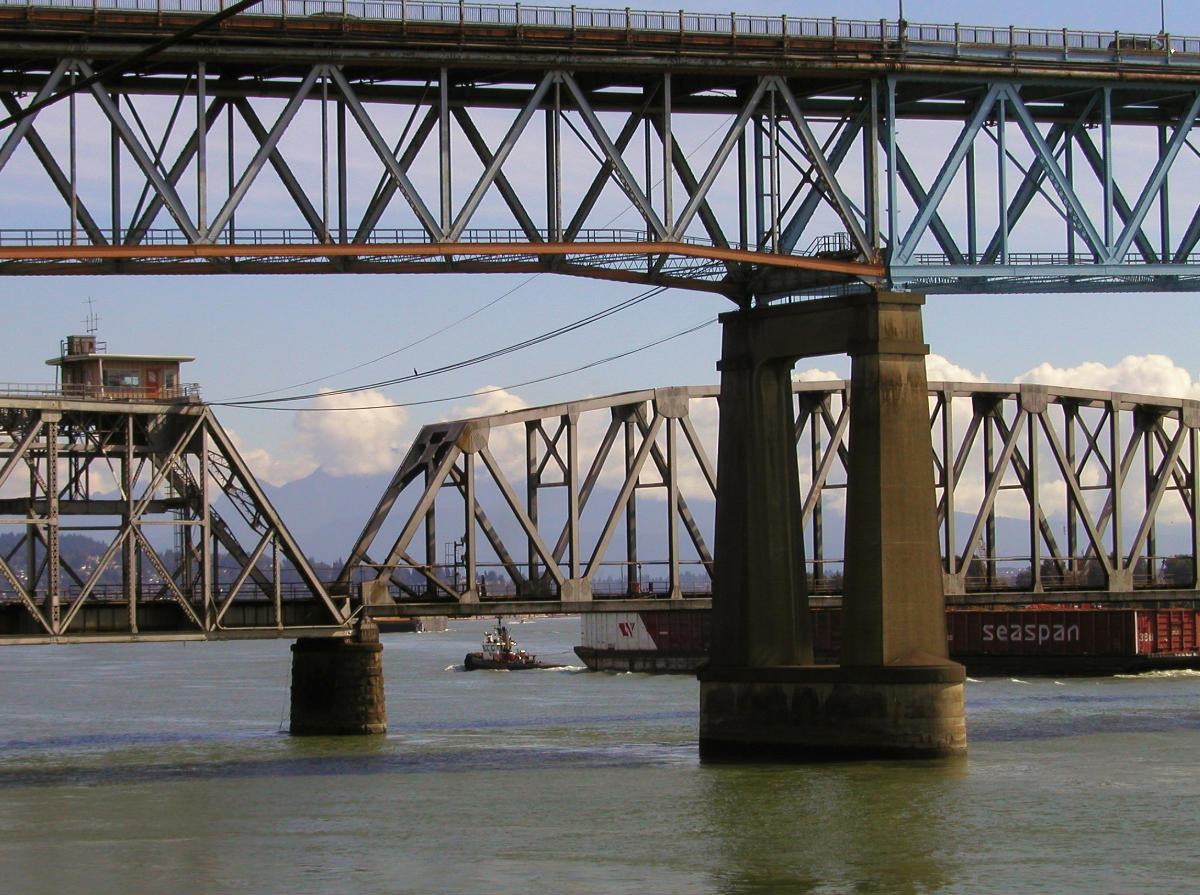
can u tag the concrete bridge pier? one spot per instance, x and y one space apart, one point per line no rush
337 684
895 693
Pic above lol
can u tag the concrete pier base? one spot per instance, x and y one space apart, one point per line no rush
337 684
830 712
895 693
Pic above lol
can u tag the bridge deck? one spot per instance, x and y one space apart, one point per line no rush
1147 599
637 38
475 137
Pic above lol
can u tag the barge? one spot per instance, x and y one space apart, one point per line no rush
1042 639
406 624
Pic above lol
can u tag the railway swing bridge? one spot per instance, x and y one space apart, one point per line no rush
822 174
604 503
1042 494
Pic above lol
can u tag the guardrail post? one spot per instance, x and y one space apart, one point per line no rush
732 25
462 12
883 32
681 24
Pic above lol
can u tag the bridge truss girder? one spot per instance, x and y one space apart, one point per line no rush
463 199
1089 477
1075 194
751 175
638 441
173 566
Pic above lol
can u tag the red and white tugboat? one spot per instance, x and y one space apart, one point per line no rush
500 653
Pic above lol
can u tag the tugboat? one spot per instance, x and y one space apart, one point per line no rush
500 653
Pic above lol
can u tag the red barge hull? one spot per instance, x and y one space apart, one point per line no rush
1050 640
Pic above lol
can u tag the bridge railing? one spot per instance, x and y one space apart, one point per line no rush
675 21
188 391
32 237
1047 259
153 591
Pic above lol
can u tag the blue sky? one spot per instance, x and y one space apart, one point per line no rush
255 334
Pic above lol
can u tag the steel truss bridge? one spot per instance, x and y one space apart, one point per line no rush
746 155
143 474
1043 495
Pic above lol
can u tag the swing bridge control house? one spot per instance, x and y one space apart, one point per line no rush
86 370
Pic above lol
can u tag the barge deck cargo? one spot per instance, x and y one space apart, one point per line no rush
1053 640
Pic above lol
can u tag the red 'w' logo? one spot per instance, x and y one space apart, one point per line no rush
626 628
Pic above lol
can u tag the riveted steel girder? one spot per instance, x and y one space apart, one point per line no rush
1036 487
790 154
143 475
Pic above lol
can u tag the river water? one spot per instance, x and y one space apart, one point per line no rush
166 767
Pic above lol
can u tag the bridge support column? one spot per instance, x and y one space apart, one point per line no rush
895 693
337 684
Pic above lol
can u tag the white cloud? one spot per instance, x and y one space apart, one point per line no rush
507 443
276 469
938 369
347 434
1148 374
489 399
354 434
812 374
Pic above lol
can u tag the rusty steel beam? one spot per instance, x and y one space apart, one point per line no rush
435 250
805 190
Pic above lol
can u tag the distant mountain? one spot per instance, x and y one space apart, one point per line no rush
325 513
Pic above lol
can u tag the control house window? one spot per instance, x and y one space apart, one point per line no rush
122 378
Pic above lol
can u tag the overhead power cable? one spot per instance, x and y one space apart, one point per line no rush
485 391
461 364
394 352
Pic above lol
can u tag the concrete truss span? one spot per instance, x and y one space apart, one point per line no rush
753 156
1044 494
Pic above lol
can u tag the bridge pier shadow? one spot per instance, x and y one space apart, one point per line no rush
895 693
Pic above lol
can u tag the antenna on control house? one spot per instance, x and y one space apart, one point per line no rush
92 321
